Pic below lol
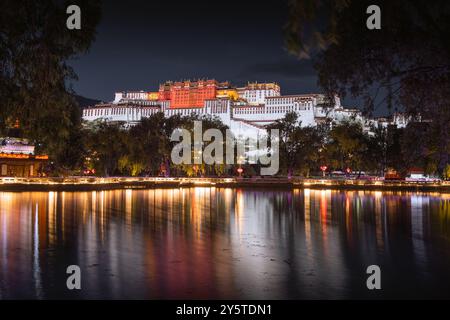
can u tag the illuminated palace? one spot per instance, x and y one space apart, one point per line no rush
245 110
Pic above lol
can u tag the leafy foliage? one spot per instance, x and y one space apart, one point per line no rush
35 47
405 65
300 147
303 150
145 148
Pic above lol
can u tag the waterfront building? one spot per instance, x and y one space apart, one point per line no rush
18 157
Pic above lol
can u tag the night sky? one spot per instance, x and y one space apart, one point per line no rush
141 44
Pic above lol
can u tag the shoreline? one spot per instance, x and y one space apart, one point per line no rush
124 183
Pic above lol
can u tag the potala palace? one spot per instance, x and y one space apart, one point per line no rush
245 110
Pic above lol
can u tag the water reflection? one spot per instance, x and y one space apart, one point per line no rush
224 243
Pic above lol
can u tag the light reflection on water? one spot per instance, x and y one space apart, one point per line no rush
224 243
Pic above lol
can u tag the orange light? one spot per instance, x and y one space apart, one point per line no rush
14 156
22 156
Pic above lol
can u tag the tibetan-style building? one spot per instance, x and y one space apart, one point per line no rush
17 156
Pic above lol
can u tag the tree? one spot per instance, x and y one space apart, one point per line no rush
289 144
375 157
208 122
347 146
149 143
106 147
419 147
405 64
447 172
35 47
300 147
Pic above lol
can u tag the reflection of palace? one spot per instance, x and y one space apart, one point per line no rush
17 156
218 243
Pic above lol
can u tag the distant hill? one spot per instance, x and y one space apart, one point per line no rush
84 102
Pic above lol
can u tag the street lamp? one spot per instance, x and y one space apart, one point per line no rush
323 169
195 168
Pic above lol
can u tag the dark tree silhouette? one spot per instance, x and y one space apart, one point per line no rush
35 47
405 64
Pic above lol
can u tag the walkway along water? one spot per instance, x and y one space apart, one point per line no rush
112 183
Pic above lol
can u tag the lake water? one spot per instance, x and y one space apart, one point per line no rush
200 243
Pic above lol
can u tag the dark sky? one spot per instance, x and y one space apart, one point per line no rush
143 43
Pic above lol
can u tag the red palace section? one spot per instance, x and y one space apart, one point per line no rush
188 94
